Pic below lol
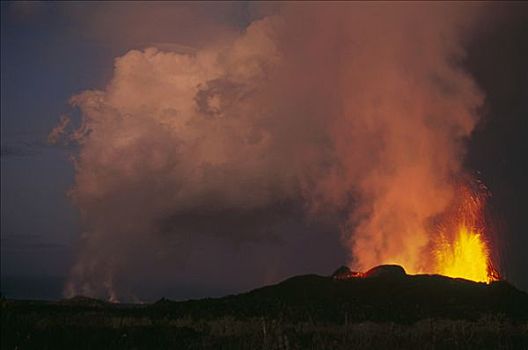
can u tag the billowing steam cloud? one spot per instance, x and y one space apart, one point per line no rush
359 107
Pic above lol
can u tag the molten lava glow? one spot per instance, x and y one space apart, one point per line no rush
462 249
466 257
459 244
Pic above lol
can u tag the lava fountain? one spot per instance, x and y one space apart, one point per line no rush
459 244
466 257
461 249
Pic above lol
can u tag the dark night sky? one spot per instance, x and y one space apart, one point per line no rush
497 58
49 53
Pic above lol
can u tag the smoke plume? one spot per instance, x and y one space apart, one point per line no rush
361 108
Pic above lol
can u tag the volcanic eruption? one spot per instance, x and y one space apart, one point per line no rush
345 109
461 247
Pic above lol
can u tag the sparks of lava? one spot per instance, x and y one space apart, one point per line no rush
462 249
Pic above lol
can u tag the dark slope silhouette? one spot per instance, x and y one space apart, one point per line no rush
385 293
382 308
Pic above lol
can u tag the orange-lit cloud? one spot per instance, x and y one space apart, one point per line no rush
320 103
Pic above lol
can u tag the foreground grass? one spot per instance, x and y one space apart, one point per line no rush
94 329
303 312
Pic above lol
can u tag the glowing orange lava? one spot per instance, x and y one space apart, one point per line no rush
466 257
459 245
465 253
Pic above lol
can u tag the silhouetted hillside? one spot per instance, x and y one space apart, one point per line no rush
388 297
383 309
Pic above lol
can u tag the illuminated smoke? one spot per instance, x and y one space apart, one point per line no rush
404 111
360 107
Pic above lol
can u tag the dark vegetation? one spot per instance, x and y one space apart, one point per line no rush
385 310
